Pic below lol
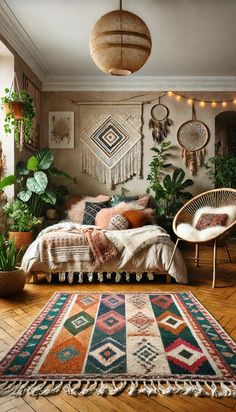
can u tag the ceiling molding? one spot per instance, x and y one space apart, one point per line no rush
140 83
17 37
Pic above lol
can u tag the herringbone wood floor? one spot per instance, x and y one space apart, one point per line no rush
17 313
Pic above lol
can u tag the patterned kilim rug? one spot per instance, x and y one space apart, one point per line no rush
151 343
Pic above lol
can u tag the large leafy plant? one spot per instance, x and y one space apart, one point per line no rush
222 170
19 213
33 178
170 194
22 127
9 255
158 163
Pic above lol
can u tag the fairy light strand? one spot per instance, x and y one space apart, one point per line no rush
202 103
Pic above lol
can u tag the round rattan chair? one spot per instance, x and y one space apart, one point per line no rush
213 198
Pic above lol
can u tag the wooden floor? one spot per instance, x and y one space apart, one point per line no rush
17 313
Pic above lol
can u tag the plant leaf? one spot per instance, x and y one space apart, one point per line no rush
53 171
32 163
24 195
49 197
7 181
45 159
38 183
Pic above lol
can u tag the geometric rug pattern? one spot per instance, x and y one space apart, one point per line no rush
122 336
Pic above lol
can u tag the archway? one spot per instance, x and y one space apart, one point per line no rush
225 133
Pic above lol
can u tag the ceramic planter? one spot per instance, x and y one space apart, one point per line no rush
15 108
11 282
21 239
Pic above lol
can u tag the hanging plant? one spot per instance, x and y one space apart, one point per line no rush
19 114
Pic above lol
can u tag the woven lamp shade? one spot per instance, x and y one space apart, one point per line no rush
120 43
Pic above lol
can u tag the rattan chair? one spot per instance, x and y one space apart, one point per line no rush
213 198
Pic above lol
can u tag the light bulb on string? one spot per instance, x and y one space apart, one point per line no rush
224 104
170 93
190 101
234 101
213 104
202 103
178 97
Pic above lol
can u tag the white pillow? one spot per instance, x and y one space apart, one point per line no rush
229 210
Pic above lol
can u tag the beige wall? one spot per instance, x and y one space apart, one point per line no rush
180 111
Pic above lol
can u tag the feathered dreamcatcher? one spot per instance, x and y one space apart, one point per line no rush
159 122
193 136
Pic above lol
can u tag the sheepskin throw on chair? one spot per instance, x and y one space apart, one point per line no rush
111 141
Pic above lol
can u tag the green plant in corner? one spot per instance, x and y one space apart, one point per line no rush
9 255
33 178
221 170
19 115
19 213
158 164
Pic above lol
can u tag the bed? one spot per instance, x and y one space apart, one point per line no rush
63 249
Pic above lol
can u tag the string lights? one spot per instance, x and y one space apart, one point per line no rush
202 103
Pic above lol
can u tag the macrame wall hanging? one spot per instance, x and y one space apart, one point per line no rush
111 141
159 121
193 136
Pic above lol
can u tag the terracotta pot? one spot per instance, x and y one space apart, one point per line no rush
22 239
15 108
11 282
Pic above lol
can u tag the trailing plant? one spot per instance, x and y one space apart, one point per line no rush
221 170
19 213
9 255
33 178
20 124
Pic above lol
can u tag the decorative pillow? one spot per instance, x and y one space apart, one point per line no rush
116 199
229 210
76 212
118 222
143 201
104 216
91 210
211 220
137 218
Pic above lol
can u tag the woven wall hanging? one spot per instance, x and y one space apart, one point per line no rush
193 136
159 122
111 141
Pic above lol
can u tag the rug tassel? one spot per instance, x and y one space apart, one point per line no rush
127 276
147 389
114 390
53 389
108 275
37 390
89 388
73 390
49 277
133 390
62 276
103 389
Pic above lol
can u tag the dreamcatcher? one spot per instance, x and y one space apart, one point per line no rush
193 136
159 122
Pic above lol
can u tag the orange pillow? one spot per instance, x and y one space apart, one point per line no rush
136 218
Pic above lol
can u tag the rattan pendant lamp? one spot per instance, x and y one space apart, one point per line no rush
120 43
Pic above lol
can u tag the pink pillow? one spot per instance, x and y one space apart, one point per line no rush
143 201
76 212
104 216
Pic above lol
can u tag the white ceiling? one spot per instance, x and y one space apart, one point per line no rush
190 37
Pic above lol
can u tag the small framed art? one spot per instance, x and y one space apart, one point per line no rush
61 130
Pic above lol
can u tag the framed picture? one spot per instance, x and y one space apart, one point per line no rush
61 130
35 94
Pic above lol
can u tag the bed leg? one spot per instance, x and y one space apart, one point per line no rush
35 278
168 278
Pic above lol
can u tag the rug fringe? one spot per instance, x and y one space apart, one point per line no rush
161 387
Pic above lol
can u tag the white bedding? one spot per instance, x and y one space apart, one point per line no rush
146 248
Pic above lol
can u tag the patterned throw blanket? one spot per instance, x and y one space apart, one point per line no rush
72 244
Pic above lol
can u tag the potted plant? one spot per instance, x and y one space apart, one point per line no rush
19 115
222 170
12 279
22 223
33 179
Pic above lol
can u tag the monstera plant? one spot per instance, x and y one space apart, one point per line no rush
33 178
